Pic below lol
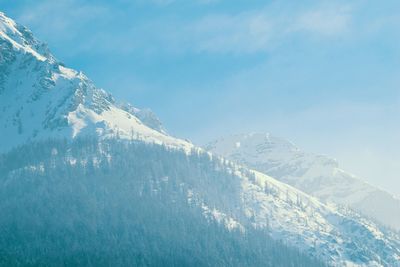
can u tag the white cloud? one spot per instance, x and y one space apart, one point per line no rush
62 18
257 30
326 21
223 33
262 29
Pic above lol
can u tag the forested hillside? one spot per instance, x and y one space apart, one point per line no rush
115 203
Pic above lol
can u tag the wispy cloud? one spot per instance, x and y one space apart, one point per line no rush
326 21
250 31
63 19
238 33
260 30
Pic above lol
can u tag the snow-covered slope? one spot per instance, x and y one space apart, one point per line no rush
41 98
336 234
316 175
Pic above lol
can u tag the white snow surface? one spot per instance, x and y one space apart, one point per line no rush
316 175
338 235
41 98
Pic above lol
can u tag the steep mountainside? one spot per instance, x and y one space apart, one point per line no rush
91 187
113 203
41 98
316 175
130 160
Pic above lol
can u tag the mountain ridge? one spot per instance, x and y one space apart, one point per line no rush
59 101
314 174
42 99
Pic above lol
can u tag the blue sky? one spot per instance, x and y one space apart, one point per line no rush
324 74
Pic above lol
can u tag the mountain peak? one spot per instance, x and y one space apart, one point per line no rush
317 175
41 98
259 146
21 38
7 25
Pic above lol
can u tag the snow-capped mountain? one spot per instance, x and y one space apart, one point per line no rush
40 98
316 175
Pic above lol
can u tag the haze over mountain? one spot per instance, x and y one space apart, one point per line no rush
84 177
317 175
321 73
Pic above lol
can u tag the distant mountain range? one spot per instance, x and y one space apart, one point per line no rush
316 175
